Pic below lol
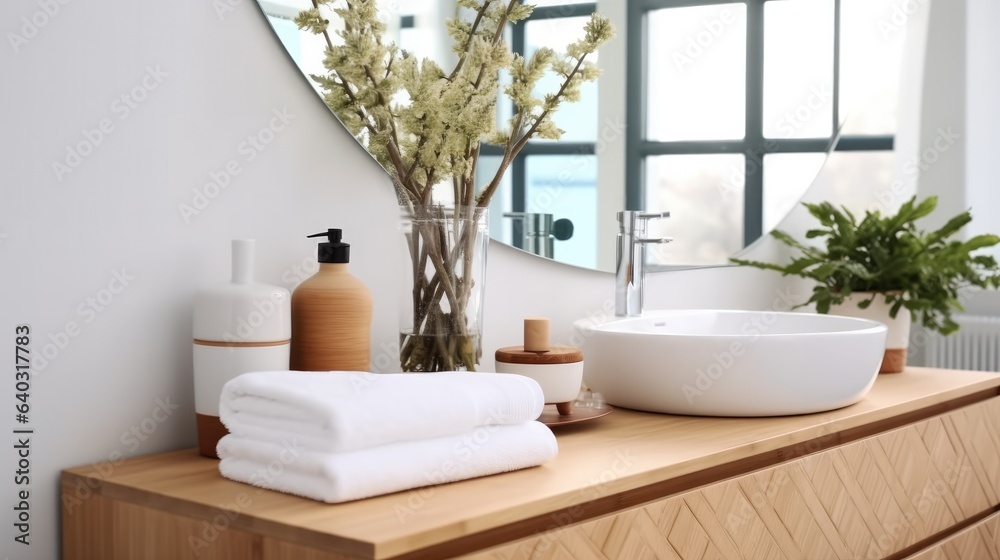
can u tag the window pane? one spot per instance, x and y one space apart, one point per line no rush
798 69
306 49
696 77
566 187
289 34
871 59
786 178
579 119
704 195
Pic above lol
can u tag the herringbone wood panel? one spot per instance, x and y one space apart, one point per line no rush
866 499
979 542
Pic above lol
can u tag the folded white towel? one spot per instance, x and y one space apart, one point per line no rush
344 411
352 475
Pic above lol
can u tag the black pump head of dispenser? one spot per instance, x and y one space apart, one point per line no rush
333 251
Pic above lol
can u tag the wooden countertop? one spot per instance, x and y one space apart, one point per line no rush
621 460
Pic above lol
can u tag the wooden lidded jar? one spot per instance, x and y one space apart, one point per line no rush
557 369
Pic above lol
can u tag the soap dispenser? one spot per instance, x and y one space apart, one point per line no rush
239 327
331 313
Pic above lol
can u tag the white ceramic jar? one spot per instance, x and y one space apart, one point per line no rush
239 327
557 369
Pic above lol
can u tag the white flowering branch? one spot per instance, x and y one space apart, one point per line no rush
425 126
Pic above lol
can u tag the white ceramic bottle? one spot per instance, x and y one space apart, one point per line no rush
239 327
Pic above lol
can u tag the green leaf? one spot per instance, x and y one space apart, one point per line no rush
858 270
845 227
925 208
792 242
822 212
824 271
894 310
799 265
758 264
980 242
823 305
953 225
910 212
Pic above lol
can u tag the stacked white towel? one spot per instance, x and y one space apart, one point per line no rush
341 436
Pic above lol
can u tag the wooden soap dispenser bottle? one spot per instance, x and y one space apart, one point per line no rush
331 314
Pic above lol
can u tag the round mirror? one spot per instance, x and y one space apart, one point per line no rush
721 113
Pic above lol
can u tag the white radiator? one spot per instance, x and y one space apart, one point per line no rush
975 346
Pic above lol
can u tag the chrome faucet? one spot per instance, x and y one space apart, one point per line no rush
539 232
631 265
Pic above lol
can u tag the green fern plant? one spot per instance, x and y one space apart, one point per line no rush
921 272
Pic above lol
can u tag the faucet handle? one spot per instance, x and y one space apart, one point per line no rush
632 222
632 216
653 215
654 240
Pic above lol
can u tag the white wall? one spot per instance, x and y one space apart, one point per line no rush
940 164
983 115
62 242
981 191
224 75
611 131
963 100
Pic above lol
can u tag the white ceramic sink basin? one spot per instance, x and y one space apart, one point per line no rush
732 363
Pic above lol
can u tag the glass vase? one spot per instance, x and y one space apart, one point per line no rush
442 305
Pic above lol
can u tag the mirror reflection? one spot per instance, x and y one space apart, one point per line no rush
721 113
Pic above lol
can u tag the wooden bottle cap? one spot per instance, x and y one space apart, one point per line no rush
537 348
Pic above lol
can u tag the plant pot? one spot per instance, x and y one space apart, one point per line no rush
442 307
898 337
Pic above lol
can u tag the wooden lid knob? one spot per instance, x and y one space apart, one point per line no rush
537 347
536 334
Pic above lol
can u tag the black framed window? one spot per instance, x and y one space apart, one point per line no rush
726 100
731 108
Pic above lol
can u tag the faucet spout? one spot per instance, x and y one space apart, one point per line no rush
630 270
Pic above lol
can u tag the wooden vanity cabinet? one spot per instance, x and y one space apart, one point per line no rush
912 471
877 497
